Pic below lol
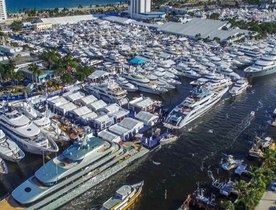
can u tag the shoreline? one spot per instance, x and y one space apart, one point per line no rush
73 8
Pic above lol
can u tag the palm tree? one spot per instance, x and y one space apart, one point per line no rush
18 76
51 57
35 72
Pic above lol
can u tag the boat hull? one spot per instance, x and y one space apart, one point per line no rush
261 73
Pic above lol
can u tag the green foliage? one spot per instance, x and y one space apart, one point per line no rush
7 70
67 67
214 16
16 26
252 192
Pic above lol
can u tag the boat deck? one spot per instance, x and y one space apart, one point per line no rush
9 204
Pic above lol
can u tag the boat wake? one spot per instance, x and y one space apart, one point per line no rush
233 134
156 163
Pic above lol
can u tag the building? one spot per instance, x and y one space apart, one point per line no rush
138 6
141 9
3 10
9 50
42 26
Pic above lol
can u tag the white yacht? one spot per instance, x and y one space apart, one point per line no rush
50 129
231 163
202 99
9 149
239 87
144 84
126 85
25 133
109 92
266 65
217 82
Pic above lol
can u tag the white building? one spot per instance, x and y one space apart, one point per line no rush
136 7
3 10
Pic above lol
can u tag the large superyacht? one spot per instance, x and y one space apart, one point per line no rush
25 133
83 165
202 99
266 65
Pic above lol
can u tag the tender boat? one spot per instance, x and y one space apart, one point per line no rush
168 138
239 87
124 197
3 167
9 149
231 163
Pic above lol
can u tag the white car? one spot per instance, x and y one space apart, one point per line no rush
273 186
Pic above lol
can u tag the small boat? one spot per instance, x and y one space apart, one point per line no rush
230 163
266 142
3 167
9 150
124 197
255 153
274 112
168 138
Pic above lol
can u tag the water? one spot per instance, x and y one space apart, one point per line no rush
176 168
17 5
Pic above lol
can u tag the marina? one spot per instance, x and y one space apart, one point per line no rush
109 101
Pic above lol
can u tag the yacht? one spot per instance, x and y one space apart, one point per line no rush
217 82
230 163
25 133
266 65
3 167
50 129
144 84
199 82
83 165
126 85
9 149
239 87
124 197
202 99
109 92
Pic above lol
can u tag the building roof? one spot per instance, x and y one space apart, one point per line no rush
58 101
96 105
88 99
111 108
98 74
74 96
144 103
89 116
120 20
67 19
106 135
82 111
120 113
117 129
67 107
130 123
103 118
146 117
206 28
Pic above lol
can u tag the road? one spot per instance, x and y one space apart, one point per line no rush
268 201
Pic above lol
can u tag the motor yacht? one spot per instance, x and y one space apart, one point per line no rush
239 87
109 92
25 133
144 84
202 99
124 197
266 65
125 84
9 149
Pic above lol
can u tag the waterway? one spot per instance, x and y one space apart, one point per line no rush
185 162
19 5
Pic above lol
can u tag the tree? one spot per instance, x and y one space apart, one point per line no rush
18 76
16 25
67 78
35 71
51 57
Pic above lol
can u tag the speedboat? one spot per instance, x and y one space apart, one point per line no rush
230 163
9 149
25 133
3 167
239 87
124 197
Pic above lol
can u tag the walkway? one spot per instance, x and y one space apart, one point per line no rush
268 201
